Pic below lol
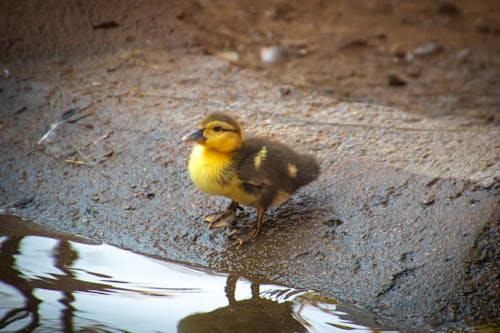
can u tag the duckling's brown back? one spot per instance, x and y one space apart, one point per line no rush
267 168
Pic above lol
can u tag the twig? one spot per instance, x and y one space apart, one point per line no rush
80 153
103 137
77 162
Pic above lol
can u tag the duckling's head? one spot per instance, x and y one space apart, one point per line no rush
217 131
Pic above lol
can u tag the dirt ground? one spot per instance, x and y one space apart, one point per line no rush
399 101
430 57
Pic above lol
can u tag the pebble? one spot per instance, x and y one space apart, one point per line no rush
285 91
229 56
427 49
414 72
273 54
428 199
448 8
488 25
463 54
395 80
333 222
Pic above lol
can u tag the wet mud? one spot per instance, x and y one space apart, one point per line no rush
404 219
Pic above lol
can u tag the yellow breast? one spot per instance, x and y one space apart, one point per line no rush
205 169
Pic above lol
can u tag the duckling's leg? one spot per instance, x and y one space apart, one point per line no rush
245 236
221 219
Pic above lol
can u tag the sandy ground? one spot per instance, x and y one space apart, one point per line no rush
404 219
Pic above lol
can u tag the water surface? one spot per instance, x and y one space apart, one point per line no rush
54 282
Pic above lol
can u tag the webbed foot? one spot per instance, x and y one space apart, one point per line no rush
223 219
244 234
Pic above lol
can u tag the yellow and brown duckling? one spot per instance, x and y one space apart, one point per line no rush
256 172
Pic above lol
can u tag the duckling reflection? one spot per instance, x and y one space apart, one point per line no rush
10 276
250 315
13 276
256 172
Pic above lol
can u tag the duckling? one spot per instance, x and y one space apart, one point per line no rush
255 172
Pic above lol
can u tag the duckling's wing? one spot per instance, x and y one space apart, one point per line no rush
269 167
254 177
258 186
251 179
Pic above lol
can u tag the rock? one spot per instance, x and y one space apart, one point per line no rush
24 202
429 199
448 8
354 44
395 80
488 25
229 56
280 11
427 49
463 54
285 91
414 72
273 54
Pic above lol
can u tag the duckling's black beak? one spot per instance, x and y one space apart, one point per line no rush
196 136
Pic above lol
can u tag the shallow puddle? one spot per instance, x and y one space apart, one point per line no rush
55 282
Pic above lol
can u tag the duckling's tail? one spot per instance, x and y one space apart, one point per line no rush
308 169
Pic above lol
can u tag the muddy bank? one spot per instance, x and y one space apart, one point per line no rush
404 219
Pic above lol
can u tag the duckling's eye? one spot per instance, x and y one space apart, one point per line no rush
217 128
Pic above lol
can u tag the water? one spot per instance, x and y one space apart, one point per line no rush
53 282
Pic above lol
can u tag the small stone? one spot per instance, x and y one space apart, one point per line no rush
448 8
398 51
273 54
488 182
333 222
488 25
280 11
285 91
181 15
229 56
463 54
23 203
354 44
414 72
427 49
432 182
428 200
395 80
303 51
